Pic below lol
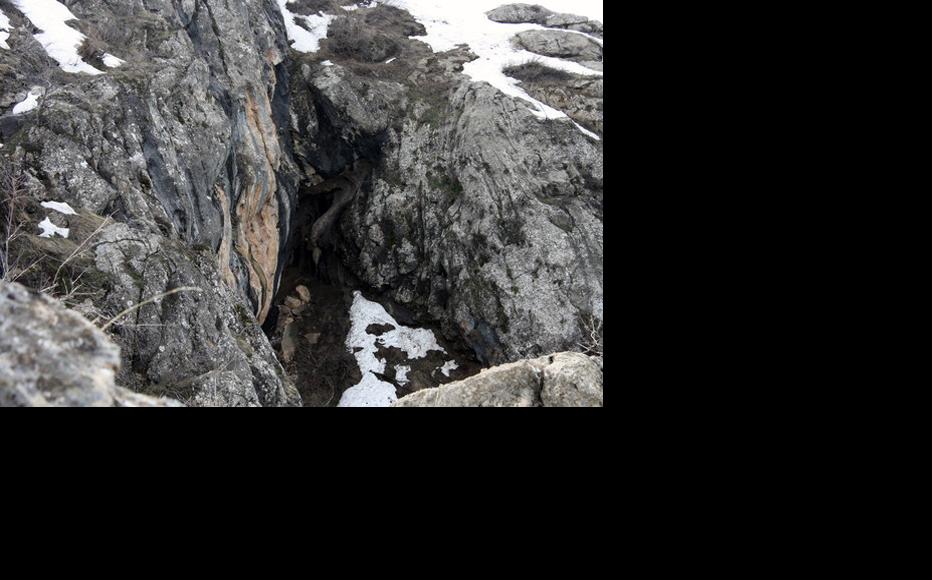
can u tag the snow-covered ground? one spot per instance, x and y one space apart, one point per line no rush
60 41
304 40
450 23
415 342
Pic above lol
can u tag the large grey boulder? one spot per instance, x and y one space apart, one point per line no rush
560 380
54 357
536 14
560 44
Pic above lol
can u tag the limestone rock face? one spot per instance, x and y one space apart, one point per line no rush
487 220
477 215
202 160
185 145
202 346
560 380
53 357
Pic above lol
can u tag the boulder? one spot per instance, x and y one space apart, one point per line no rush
560 380
536 14
53 357
560 44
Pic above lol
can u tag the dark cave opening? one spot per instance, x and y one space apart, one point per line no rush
310 318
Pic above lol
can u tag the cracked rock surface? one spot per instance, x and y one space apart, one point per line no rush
560 380
54 357
536 14
204 160
181 147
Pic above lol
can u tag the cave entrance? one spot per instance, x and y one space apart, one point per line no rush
311 315
310 319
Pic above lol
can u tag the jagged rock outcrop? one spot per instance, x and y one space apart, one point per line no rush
536 14
560 380
186 147
582 98
560 44
477 214
208 155
54 357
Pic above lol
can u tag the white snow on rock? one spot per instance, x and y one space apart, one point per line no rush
415 342
111 61
449 367
301 39
60 41
450 24
60 207
4 30
353 7
30 103
50 230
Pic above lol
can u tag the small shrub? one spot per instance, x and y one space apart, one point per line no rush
350 38
533 71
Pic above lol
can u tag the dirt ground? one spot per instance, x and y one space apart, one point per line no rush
322 367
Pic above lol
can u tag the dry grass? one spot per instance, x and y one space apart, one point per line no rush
54 267
14 193
534 71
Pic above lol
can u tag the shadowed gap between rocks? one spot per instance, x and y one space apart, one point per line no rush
310 318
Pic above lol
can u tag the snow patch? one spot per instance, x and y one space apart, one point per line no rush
111 61
370 392
50 230
414 342
4 30
60 41
62 208
449 367
327 63
30 103
305 39
353 7
587 132
451 24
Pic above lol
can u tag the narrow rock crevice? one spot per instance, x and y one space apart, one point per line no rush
289 188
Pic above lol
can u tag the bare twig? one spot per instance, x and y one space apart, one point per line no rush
13 187
593 340
81 247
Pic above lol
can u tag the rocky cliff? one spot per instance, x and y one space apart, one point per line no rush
53 357
203 145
